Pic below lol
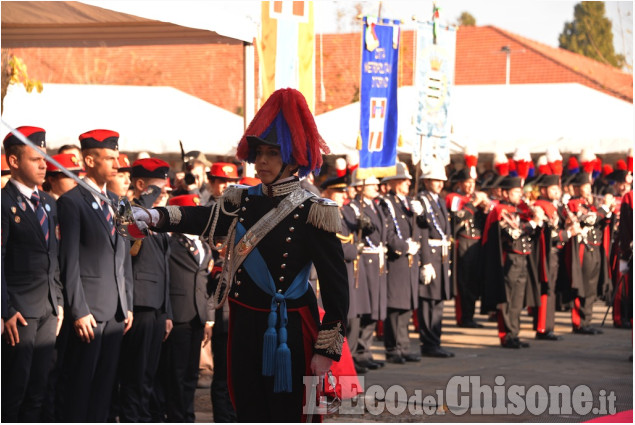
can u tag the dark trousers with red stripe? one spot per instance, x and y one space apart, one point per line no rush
544 315
582 311
516 281
466 284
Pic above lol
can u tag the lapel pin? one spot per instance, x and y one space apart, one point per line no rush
17 218
95 206
47 207
14 210
21 203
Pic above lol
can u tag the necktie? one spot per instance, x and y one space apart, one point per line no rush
106 211
41 215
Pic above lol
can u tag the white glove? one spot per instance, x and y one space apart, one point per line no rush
623 266
145 218
413 247
590 219
427 274
416 207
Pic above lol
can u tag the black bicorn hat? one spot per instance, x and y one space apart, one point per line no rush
621 176
510 182
336 183
461 175
581 178
546 180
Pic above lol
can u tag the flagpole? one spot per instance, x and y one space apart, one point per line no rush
417 175
359 229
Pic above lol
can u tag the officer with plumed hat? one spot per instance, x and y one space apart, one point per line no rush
275 232
509 266
32 301
97 275
468 210
591 250
556 232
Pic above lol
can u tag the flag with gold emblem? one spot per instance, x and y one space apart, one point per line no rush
434 80
379 130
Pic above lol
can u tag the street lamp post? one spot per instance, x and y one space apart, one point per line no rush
508 52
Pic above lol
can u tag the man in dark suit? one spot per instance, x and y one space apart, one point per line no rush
97 276
30 275
192 308
403 261
141 346
435 284
371 277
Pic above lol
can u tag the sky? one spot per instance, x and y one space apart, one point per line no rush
539 20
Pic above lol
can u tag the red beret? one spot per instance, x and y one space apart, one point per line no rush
124 163
224 170
250 181
5 166
36 135
103 139
67 160
150 168
185 201
620 164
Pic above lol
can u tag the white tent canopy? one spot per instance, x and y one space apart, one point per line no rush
493 118
151 119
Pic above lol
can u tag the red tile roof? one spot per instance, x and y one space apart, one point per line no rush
479 60
214 72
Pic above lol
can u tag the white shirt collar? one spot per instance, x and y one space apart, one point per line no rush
92 184
24 189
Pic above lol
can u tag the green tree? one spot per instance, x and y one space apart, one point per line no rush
466 20
590 34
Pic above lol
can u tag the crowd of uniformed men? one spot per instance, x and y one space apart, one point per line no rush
98 328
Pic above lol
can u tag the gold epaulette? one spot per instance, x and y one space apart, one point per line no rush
324 214
233 194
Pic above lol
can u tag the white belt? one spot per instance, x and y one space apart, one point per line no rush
438 242
368 250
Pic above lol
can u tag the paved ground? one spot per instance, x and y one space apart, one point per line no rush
599 362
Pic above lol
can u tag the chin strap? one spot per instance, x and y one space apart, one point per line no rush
284 167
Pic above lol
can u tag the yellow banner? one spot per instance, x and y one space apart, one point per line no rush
287 48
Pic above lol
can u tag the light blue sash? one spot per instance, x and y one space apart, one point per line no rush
276 356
